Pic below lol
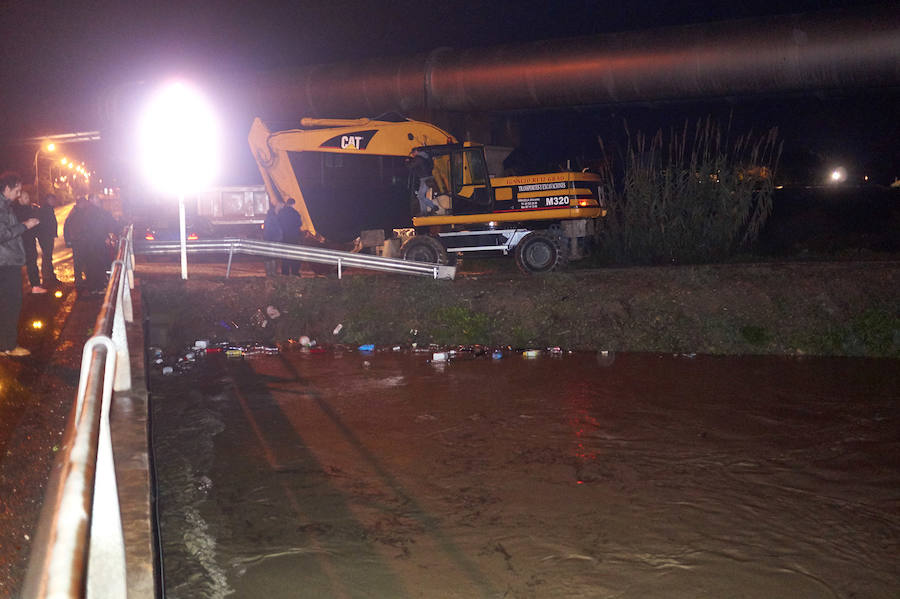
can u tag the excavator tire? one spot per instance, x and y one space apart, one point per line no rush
424 248
540 252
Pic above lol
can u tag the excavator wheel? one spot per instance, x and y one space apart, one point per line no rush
424 248
540 252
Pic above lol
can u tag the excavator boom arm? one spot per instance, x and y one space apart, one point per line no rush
273 151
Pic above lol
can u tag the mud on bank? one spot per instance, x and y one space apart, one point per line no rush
846 308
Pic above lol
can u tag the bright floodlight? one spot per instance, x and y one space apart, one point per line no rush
178 139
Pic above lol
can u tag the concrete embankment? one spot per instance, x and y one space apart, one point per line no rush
819 308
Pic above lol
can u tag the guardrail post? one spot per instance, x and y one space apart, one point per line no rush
230 254
120 341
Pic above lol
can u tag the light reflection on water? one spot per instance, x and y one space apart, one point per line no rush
634 475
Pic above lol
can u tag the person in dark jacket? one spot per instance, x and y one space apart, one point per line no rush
75 233
100 231
24 210
290 222
12 257
47 232
86 231
272 232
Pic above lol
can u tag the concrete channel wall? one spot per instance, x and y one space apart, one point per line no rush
130 428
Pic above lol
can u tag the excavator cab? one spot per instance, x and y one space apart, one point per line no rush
455 182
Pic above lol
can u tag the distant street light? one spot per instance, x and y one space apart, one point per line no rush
838 175
178 137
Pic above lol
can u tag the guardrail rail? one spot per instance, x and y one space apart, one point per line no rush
272 249
79 547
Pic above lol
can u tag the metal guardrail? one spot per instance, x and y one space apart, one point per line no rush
271 249
79 548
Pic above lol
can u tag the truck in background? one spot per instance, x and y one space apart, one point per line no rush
233 211
214 213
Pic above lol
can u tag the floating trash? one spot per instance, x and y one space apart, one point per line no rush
440 357
497 355
367 347
337 330
304 341
234 353
168 370
201 344
257 350
606 358
259 319
531 353
272 312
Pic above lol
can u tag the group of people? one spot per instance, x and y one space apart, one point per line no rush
282 224
43 234
12 259
88 230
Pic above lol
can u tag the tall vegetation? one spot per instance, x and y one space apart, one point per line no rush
690 196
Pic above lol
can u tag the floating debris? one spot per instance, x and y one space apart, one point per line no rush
337 330
259 319
367 347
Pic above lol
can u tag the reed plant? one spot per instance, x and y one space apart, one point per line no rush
690 196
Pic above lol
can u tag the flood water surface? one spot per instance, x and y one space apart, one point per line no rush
343 474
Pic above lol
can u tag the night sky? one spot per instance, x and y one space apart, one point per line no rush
58 57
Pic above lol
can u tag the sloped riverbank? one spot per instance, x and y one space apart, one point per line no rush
815 308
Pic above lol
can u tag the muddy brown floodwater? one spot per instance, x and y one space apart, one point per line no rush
344 474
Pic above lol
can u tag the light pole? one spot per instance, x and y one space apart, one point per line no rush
37 181
178 135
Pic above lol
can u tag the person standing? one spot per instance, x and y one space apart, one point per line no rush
24 210
12 257
75 234
47 232
100 227
290 222
421 166
272 232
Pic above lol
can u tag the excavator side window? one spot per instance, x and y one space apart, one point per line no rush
471 189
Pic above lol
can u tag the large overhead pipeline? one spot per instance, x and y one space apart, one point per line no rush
845 49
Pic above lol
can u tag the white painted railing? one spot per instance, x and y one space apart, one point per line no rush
79 549
271 249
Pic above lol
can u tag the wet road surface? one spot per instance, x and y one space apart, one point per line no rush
343 474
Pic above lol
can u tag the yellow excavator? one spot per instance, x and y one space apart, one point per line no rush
418 184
